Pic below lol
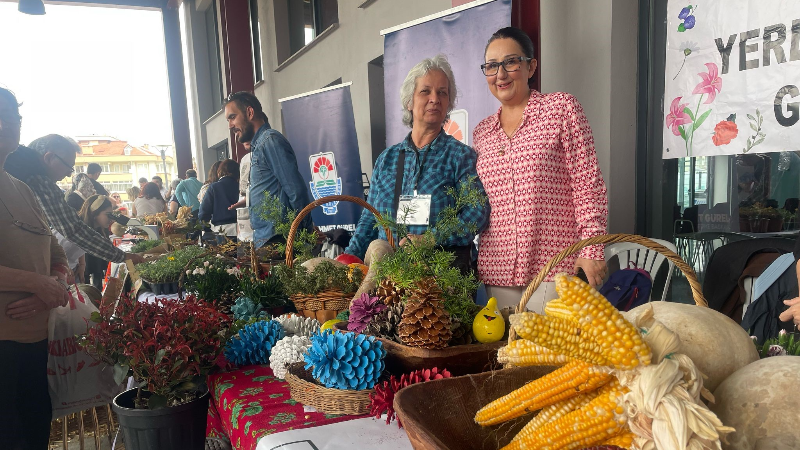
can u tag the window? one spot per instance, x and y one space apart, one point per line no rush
212 36
106 167
80 169
306 20
116 168
141 167
255 33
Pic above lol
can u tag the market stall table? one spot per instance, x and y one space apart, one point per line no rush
250 403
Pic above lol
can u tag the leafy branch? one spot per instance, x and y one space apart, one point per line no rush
758 136
272 210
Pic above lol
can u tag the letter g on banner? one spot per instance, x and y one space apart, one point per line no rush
793 107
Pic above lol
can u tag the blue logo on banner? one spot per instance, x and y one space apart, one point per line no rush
324 181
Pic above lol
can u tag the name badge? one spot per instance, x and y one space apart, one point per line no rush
414 210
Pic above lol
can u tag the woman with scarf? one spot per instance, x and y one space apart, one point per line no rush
82 188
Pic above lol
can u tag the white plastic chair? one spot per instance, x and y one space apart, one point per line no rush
630 255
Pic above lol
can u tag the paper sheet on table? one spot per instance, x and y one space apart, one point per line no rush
361 434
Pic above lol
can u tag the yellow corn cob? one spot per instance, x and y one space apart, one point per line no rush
561 336
597 421
556 411
557 308
624 440
620 340
565 382
522 353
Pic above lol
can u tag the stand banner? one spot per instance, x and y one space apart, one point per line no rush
460 34
732 76
322 130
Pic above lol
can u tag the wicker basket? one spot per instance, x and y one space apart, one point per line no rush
697 292
308 391
328 303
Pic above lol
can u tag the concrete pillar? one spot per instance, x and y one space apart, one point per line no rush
177 90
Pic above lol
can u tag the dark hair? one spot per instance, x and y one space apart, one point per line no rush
93 168
191 173
87 215
212 176
151 191
156 177
519 36
228 167
143 180
7 95
244 100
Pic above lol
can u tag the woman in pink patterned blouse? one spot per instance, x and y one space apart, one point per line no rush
537 162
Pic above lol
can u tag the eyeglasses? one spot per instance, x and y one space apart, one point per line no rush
71 168
509 65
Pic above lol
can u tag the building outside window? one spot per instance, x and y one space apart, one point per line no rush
255 33
212 37
309 18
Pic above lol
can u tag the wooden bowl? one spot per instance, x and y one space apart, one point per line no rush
438 415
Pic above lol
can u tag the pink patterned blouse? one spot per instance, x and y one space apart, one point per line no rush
545 190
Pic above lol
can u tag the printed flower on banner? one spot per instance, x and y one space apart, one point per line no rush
758 135
687 48
725 131
687 16
677 116
711 83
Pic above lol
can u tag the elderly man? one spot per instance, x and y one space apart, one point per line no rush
93 170
420 169
187 190
273 165
50 159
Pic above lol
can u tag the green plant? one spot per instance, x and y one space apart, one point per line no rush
784 344
213 281
169 268
169 346
239 324
426 258
267 291
282 218
143 246
298 280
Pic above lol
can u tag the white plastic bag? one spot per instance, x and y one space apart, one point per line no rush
77 382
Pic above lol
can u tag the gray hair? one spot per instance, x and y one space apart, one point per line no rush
175 183
54 143
438 62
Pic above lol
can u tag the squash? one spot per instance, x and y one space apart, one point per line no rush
312 263
760 402
717 345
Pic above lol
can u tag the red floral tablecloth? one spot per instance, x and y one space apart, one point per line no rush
251 402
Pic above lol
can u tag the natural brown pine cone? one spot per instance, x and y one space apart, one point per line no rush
425 322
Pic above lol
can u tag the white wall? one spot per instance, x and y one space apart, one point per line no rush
589 50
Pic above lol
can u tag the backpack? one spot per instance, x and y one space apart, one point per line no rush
627 288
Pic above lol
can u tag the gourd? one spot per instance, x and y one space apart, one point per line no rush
717 345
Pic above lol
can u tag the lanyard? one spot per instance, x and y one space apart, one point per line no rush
421 166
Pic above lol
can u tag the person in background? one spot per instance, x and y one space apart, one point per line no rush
133 193
211 177
427 162
142 182
33 280
93 170
161 188
50 159
188 190
218 198
81 189
173 204
96 213
149 202
537 160
273 164
792 313
119 207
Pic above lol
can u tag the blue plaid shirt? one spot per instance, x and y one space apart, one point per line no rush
444 162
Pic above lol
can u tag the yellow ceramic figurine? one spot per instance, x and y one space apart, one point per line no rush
489 325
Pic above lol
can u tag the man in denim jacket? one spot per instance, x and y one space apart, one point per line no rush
273 165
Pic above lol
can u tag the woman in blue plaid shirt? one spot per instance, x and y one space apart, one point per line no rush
431 162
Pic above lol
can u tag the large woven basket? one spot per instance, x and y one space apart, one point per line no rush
308 391
697 292
328 303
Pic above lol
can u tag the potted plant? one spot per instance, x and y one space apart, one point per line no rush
273 211
774 219
163 273
266 291
214 282
320 288
169 347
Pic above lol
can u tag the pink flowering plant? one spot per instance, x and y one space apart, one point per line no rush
682 120
783 345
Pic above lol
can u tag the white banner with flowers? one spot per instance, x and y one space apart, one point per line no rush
732 77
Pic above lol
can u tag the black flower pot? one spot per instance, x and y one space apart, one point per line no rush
181 427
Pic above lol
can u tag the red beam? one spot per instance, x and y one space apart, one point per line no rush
526 15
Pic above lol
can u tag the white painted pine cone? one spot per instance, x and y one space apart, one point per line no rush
288 350
294 325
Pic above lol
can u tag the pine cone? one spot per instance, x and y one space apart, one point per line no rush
425 323
386 322
462 334
389 293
